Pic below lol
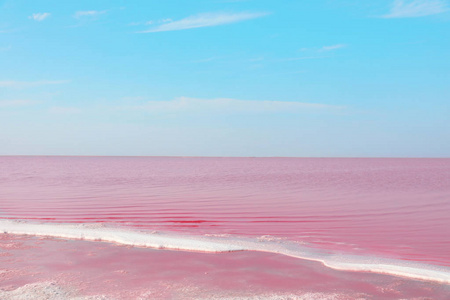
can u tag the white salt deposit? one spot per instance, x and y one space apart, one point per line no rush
45 291
52 291
116 235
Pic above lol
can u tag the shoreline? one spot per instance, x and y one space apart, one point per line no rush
204 244
96 270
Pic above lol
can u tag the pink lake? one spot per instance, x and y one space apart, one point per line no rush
359 210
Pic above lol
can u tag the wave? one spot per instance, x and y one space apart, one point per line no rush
99 232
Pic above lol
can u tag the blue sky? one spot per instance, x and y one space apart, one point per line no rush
225 78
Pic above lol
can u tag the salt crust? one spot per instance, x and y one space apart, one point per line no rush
226 244
51 291
44 291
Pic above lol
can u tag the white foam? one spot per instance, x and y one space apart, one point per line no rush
226 244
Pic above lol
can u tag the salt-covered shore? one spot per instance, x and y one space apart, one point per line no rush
75 269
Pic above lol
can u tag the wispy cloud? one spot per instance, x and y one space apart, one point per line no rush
151 22
7 30
27 84
132 99
204 20
89 13
416 8
15 103
256 59
6 48
205 60
332 47
301 58
39 16
226 105
64 110
324 48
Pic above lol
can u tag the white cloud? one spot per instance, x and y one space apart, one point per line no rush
204 20
14 103
416 8
89 13
226 105
39 16
332 47
26 84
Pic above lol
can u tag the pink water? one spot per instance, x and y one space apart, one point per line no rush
394 208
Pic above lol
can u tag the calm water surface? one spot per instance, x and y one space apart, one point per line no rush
396 208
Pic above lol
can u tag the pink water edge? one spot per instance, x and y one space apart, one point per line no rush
80 268
380 208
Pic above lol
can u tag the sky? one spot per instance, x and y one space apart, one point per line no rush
297 78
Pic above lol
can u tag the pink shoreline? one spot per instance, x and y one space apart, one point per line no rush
93 268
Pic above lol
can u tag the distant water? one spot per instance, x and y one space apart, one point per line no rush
390 209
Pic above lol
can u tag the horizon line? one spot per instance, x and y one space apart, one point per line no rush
213 156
